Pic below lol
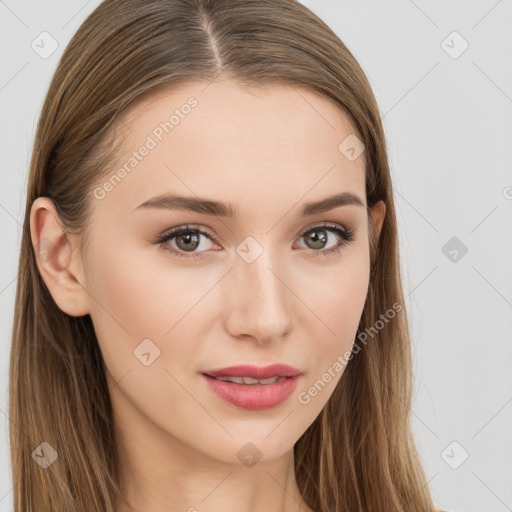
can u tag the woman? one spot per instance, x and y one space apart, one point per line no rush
209 314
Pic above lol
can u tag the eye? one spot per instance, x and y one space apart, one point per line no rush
318 239
188 239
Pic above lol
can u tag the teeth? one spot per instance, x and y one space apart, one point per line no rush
271 380
250 380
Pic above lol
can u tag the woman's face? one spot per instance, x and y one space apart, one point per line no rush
254 281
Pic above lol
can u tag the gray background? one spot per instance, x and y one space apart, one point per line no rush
448 123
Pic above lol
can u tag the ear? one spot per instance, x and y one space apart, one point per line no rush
58 258
377 213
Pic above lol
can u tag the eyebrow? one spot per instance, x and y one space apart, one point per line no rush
219 209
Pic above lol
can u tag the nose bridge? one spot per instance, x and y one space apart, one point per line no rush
260 304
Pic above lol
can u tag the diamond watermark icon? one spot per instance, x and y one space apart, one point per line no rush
454 455
146 352
454 45
249 455
45 455
454 249
351 147
44 45
249 249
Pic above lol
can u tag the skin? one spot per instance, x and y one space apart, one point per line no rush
268 151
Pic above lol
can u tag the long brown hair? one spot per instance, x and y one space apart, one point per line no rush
359 453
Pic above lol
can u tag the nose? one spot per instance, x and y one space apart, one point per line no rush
260 300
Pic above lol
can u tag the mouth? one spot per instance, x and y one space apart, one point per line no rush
250 393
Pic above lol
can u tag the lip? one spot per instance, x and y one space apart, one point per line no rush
252 396
256 372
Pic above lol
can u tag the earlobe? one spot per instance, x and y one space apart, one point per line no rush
57 259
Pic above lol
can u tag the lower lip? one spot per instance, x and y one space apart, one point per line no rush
253 396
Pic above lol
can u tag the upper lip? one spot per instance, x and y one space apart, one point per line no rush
256 372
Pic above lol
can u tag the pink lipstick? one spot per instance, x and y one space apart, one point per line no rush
251 387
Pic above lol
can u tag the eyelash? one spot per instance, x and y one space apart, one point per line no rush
346 235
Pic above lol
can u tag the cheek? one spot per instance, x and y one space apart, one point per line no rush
140 297
139 309
341 302
336 296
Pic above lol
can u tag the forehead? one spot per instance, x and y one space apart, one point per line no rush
237 144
